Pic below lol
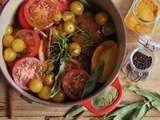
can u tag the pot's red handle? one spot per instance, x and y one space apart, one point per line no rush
88 103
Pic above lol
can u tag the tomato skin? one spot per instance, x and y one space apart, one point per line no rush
22 19
31 39
72 64
73 83
25 69
63 5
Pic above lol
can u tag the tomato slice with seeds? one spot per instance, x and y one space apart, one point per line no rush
39 13
73 83
31 39
25 69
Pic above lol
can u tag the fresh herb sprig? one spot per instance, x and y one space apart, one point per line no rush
130 111
137 110
63 53
89 40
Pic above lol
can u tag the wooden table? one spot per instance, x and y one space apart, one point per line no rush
23 110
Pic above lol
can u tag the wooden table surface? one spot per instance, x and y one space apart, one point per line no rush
23 110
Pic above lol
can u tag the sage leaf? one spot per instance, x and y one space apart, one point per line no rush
57 86
124 111
105 98
156 104
142 111
76 110
151 96
91 83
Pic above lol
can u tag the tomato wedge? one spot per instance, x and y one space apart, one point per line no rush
22 19
73 83
31 39
26 69
39 13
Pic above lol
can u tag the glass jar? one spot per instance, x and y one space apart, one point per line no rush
143 16
140 61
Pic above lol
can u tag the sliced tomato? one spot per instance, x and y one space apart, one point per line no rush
31 39
39 13
22 19
26 69
73 83
72 64
63 5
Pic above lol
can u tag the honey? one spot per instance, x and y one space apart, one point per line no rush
143 15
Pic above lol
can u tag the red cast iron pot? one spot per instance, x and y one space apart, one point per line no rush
107 5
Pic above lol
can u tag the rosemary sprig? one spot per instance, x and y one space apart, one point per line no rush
63 53
89 39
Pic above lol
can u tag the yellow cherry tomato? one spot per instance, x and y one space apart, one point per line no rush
49 80
59 97
35 85
18 45
75 49
101 18
45 93
9 30
69 27
58 16
7 40
77 8
68 16
9 55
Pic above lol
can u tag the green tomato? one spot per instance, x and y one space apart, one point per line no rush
9 55
18 45
58 16
77 8
69 27
45 93
101 18
35 85
68 16
7 40
49 80
75 49
9 30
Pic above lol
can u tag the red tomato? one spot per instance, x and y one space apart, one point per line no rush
39 13
31 39
72 64
73 83
22 19
26 69
63 5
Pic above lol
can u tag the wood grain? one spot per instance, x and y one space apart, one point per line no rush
26 111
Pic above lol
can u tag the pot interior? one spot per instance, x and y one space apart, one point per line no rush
7 17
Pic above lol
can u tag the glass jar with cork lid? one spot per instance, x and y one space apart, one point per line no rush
143 16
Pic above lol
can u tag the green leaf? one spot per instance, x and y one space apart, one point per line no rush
57 86
105 98
141 111
124 111
151 96
91 83
86 2
156 104
75 111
